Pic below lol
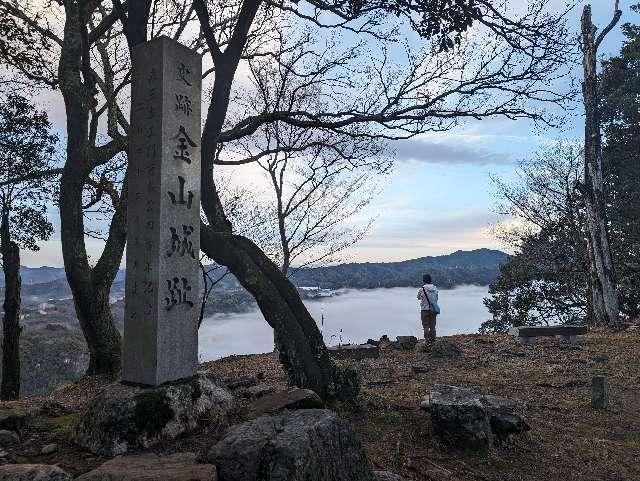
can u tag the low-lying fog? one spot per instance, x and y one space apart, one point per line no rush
353 316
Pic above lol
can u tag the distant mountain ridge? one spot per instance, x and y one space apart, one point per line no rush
479 266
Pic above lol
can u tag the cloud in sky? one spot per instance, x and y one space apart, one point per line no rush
430 151
424 235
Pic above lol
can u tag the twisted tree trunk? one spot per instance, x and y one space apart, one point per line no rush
10 388
300 345
604 295
299 341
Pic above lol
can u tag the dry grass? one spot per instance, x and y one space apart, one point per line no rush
569 440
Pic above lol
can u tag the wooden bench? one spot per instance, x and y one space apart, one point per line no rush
528 334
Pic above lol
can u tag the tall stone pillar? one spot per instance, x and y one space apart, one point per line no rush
163 224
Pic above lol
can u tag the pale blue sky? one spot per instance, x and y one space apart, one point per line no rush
439 198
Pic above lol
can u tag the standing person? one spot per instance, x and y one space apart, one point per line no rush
428 297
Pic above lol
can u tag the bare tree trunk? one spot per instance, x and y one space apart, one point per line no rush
300 344
602 273
301 348
11 329
90 286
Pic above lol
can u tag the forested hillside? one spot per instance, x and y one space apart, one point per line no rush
480 266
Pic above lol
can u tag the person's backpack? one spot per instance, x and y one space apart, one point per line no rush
433 306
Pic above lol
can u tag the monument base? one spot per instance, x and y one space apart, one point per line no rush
123 417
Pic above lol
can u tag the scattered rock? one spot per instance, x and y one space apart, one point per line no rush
49 449
505 425
443 348
406 343
259 390
8 438
600 359
304 445
420 367
293 398
466 419
151 467
32 472
355 352
123 417
384 342
461 423
14 418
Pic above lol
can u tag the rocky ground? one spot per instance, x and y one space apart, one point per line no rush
568 439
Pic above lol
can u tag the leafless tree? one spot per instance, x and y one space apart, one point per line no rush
467 60
319 180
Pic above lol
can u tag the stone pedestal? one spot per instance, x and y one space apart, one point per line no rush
163 224
121 418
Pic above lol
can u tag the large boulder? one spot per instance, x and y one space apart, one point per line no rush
124 417
464 418
33 472
303 445
151 467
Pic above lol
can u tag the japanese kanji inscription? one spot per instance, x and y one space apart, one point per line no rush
163 229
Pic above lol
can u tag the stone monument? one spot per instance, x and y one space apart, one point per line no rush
163 224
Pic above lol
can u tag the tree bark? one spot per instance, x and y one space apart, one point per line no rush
300 345
90 286
10 388
602 273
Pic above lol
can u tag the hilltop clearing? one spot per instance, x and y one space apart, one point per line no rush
568 439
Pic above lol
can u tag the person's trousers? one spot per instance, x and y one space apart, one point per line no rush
428 324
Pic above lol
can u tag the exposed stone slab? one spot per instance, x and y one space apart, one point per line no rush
151 467
294 398
355 352
33 472
304 445
123 417
464 418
